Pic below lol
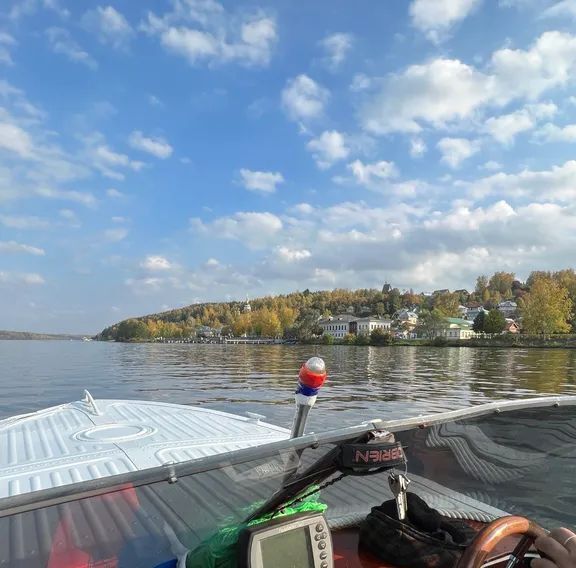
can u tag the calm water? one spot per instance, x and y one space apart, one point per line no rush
365 382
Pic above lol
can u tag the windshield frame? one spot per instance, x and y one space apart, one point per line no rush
170 473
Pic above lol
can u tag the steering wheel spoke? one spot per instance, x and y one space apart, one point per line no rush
489 537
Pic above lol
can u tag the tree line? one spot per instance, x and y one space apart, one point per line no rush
545 306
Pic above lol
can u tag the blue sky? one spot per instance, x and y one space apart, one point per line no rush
157 154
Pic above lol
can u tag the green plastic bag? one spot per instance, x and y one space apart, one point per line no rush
219 551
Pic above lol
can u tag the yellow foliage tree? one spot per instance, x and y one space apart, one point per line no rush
547 308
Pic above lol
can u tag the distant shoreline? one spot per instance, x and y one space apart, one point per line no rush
29 335
507 341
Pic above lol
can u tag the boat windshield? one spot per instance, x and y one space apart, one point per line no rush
521 461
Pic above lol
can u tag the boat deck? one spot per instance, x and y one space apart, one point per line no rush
93 439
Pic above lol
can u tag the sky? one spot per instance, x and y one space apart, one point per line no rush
155 154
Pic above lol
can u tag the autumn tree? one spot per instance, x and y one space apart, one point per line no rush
287 316
242 324
447 304
501 282
266 323
547 307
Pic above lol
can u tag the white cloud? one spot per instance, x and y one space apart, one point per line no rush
203 31
108 161
550 62
265 182
360 82
336 47
444 91
23 222
304 99
562 9
553 133
82 197
506 127
254 229
70 217
372 175
329 148
114 193
29 7
61 42
286 254
436 17
158 147
6 42
115 235
417 147
109 25
19 278
438 92
455 150
155 263
155 101
492 165
14 247
15 139
556 184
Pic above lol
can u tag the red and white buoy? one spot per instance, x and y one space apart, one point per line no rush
311 377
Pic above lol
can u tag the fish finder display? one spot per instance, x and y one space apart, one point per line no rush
297 541
288 550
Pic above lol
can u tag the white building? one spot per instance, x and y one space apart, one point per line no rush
472 313
457 328
365 326
508 308
406 316
336 326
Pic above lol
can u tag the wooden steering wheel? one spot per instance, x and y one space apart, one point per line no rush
487 539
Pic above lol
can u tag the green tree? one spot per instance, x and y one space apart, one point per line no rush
481 285
307 326
394 301
494 322
380 308
478 325
132 329
430 323
547 307
379 336
328 339
362 339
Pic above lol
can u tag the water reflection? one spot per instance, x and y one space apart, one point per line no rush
365 382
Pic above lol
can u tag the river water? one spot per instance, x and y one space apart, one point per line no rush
365 382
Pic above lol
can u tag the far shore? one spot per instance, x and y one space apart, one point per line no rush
512 341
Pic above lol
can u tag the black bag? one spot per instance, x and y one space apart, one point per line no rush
424 539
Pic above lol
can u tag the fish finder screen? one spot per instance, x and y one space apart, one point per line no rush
287 550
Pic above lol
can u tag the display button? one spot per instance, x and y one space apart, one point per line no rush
320 536
319 527
323 555
322 545
324 565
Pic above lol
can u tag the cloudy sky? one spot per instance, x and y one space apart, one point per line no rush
159 153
